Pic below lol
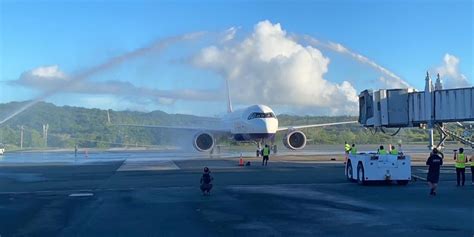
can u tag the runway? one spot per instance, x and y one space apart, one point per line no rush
142 196
85 155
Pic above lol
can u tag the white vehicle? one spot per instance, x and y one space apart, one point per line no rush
374 167
2 149
256 123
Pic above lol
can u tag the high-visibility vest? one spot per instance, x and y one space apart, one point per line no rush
382 152
354 150
460 161
347 148
394 152
266 151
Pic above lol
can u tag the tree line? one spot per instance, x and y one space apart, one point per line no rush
69 126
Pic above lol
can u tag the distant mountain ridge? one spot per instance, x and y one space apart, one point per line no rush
68 126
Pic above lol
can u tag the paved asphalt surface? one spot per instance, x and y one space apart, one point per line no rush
162 198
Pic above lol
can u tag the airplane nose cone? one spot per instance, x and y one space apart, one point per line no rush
266 125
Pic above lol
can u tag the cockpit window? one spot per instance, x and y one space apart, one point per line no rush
261 115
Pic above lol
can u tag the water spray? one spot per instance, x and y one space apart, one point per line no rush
339 48
157 46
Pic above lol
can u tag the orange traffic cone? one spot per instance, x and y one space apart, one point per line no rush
241 161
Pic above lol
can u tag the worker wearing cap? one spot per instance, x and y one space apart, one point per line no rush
460 166
393 151
206 180
353 149
382 151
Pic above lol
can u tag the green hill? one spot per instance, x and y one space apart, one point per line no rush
69 126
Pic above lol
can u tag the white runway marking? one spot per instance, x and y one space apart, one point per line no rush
444 171
81 195
135 165
418 177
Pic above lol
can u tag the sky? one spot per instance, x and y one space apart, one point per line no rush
298 57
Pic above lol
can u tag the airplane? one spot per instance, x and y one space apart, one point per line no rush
255 123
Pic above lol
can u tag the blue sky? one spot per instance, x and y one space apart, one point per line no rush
405 37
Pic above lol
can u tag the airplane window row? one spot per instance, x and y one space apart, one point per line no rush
261 115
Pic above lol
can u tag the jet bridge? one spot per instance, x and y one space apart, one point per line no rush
402 108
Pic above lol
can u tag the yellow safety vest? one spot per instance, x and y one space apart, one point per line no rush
354 151
382 152
460 161
266 151
347 147
394 152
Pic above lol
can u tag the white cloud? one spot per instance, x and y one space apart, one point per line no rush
271 67
51 78
48 72
449 72
44 77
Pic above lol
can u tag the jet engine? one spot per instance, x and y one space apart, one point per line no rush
294 140
203 141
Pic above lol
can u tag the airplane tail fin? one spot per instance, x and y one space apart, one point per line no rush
229 102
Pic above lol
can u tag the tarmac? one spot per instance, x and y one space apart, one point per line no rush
292 196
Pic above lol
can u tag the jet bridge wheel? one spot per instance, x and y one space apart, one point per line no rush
360 174
349 171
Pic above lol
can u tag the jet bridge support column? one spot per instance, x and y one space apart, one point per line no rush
429 109
431 141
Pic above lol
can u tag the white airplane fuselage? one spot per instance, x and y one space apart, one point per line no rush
252 123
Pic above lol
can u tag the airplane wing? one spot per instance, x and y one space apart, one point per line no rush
315 125
214 129
209 129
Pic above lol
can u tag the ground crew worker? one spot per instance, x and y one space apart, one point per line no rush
460 166
347 148
354 149
472 169
393 151
400 150
382 151
206 180
435 161
265 154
